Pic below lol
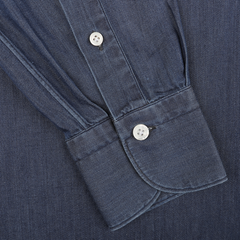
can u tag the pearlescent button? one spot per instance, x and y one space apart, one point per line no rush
140 132
96 39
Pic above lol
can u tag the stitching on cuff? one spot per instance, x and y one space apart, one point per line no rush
87 129
138 213
99 149
153 103
162 188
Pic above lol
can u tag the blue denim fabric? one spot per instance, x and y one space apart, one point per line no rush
97 96
117 189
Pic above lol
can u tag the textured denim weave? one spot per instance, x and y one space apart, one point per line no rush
97 97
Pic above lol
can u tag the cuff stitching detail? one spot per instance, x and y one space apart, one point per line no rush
87 129
162 188
153 103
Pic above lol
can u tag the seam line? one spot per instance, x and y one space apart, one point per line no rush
87 129
96 151
155 196
41 79
156 186
153 103
120 47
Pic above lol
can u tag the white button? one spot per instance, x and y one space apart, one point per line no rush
140 132
96 39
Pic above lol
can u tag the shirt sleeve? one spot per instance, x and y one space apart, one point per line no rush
146 141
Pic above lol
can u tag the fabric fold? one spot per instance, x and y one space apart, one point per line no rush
179 155
127 177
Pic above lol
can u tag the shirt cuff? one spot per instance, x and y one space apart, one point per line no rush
128 177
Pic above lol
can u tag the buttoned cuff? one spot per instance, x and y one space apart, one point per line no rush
128 177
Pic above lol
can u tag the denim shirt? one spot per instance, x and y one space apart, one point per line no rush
137 79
